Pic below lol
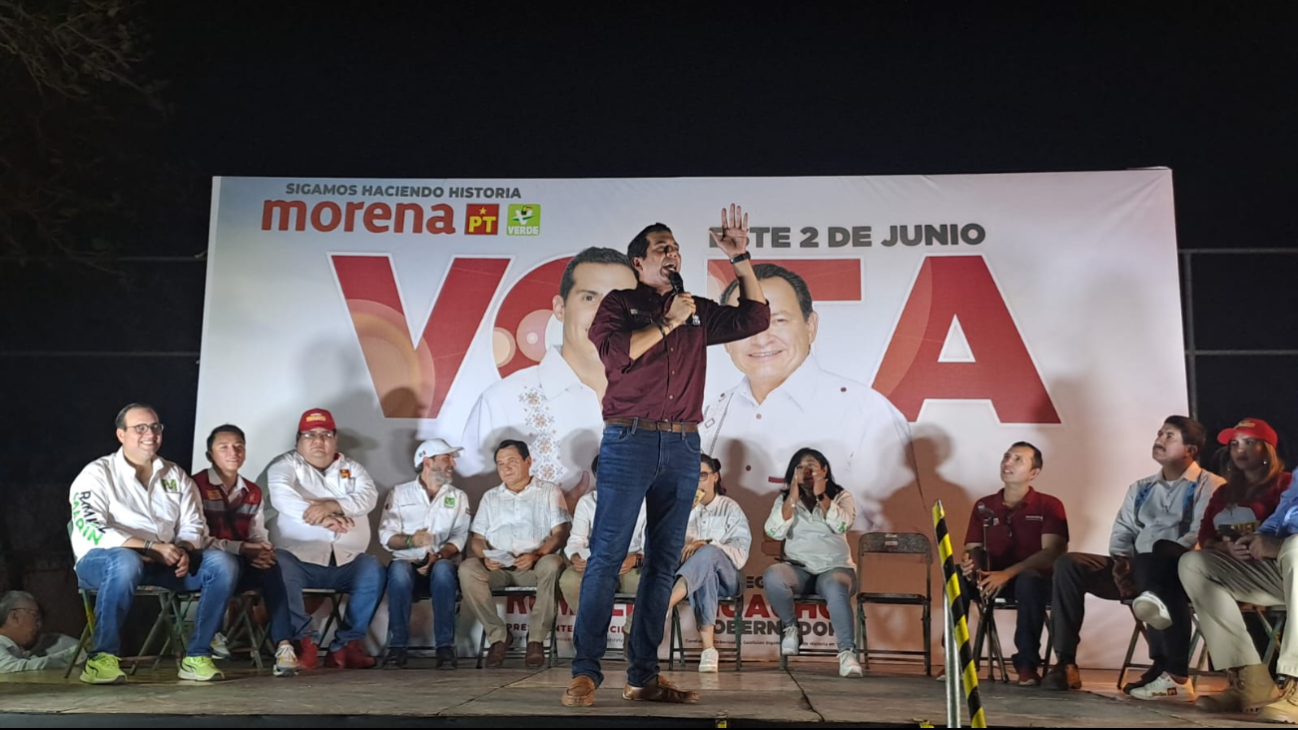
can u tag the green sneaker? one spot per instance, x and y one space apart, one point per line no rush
199 669
102 669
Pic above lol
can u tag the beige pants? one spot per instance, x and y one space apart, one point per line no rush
1217 583
570 587
477 583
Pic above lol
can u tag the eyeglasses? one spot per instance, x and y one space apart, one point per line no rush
33 611
144 428
705 474
318 435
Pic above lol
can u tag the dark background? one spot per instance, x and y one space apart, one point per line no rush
483 92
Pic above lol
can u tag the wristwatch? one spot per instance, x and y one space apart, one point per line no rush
741 257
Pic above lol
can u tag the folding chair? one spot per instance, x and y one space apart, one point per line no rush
903 544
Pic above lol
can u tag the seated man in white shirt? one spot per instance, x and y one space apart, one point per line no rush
23 648
578 550
137 519
517 536
321 531
425 526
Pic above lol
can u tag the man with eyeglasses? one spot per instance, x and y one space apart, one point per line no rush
321 531
23 648
137 519
1013 540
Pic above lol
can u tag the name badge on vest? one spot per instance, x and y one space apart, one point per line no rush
346 473
448 502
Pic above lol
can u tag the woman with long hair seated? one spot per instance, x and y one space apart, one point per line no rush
716 548
812 516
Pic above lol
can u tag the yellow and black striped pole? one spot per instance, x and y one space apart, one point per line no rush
955 607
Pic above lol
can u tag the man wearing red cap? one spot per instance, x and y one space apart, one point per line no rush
322 531
1255 567
1157 523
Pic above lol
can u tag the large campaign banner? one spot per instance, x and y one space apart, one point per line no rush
920 325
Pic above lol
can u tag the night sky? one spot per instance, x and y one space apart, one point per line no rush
480 91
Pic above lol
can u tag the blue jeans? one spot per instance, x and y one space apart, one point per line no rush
362 579
835 585
709 575
661 469
115 573
441 583
270 583
1031 593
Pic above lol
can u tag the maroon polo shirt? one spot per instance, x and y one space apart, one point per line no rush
666 382
1014 535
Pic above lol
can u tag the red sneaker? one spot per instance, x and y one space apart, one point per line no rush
308 654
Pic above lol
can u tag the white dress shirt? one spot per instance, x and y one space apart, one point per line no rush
291 481
725 524
52 651
519 522
110 506
815 538
584 517
409 509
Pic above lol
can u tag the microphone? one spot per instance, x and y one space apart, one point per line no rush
987 516
678 287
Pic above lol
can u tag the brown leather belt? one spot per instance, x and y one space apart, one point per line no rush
647 425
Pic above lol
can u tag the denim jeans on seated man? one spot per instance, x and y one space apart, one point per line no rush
116 573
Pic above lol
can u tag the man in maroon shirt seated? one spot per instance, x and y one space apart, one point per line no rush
1014 537
653 342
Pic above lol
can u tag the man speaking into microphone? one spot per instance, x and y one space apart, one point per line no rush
653 342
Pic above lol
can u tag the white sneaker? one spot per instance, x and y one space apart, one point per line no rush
285 661
220 649
791 642
708 661
1151 609
1165 688
848 666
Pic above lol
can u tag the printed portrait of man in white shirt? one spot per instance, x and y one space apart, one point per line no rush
554 406
787 401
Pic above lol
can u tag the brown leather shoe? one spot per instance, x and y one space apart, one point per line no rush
535 655
580 692
496 654
1062 677
659 690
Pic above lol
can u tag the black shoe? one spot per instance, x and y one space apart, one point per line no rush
446 657
1062 677
396 658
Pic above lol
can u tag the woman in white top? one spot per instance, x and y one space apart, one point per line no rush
812 516
716 548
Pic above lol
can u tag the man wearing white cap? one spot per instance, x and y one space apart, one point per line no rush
425 525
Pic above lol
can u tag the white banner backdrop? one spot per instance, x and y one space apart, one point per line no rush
980 309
